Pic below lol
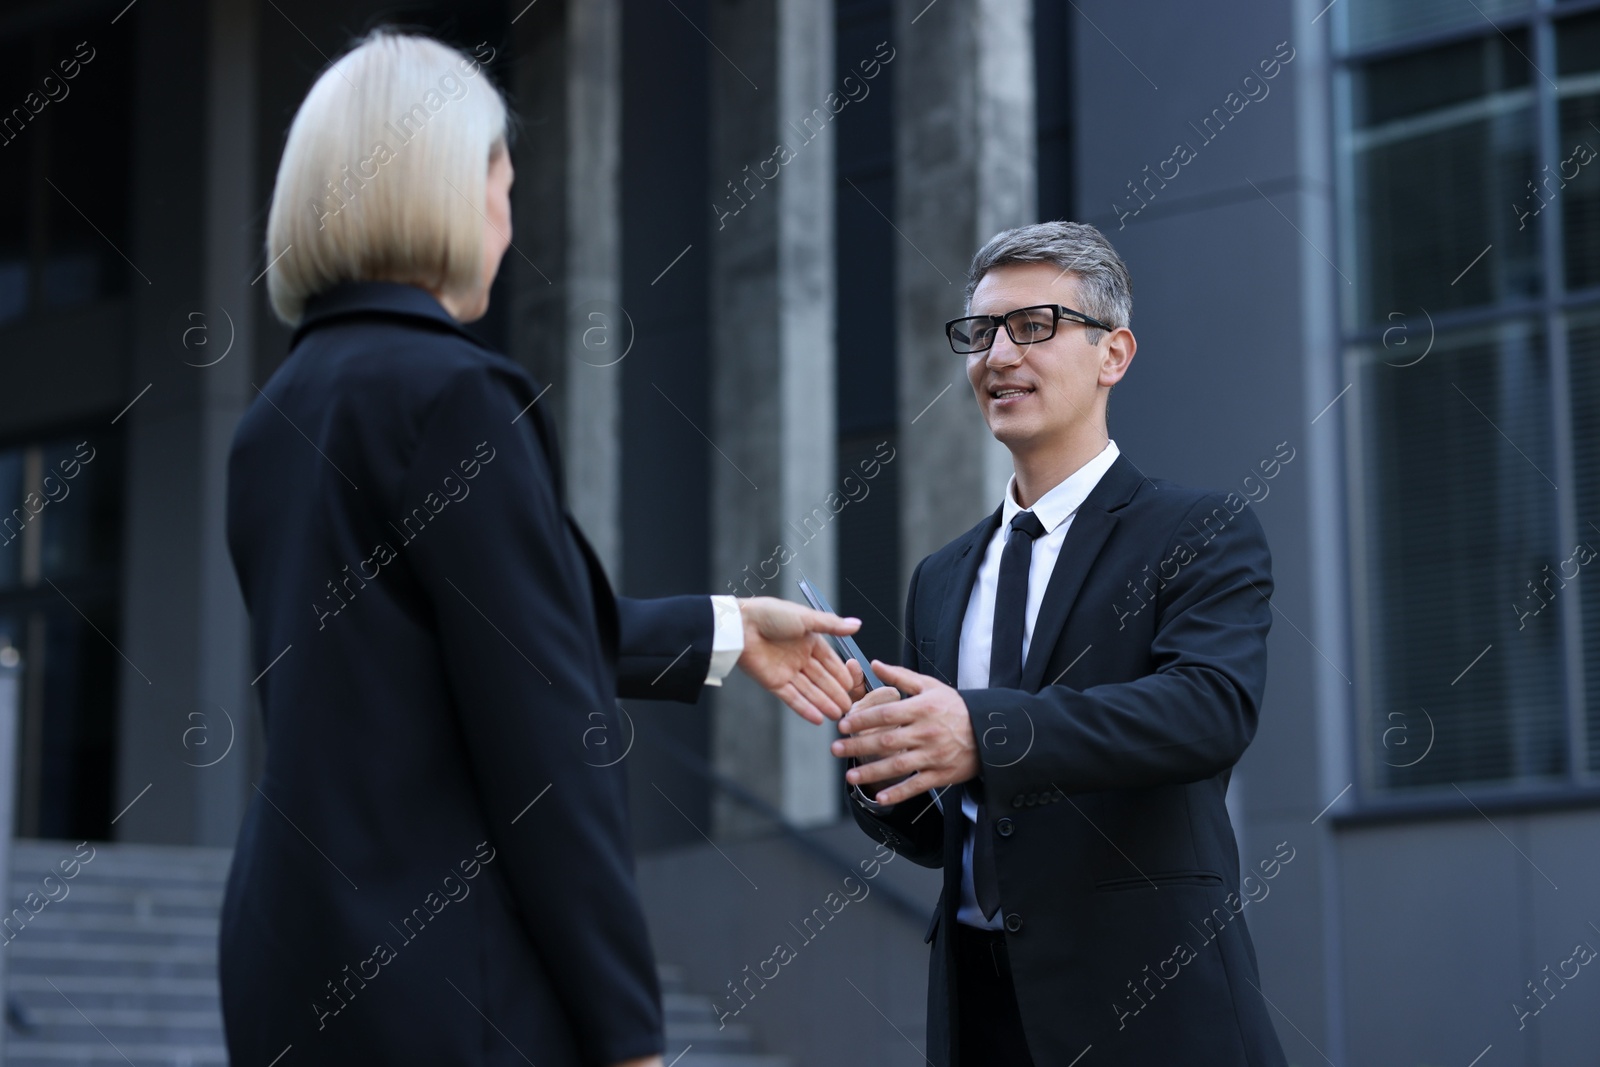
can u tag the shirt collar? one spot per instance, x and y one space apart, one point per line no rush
1061 502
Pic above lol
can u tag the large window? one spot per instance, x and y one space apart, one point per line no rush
60 532
65 116
1470 260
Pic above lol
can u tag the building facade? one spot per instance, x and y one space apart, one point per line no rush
1365 243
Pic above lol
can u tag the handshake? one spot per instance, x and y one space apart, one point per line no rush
920 741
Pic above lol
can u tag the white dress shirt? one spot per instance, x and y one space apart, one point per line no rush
727 642
1055 511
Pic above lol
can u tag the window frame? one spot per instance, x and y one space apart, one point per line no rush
1550 310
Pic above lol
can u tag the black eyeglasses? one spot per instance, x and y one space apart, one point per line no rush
1025 326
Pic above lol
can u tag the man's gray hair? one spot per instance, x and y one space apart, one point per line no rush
1104 289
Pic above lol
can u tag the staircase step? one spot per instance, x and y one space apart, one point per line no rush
105 1018
696 1058
123 968
109 864
88 985
60 924
54 959
25 1052
735 1037
32 1002
114 897
670 975
67 1027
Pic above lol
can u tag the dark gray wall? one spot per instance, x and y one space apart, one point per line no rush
853 993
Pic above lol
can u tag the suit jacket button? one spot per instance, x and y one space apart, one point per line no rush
1004 827
1013 922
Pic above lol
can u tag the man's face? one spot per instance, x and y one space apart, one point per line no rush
1033 395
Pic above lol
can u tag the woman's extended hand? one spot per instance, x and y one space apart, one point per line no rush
785 650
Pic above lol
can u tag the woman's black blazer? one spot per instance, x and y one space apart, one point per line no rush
435 866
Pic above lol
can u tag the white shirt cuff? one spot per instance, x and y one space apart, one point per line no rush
727 642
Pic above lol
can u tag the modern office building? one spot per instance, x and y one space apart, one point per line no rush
1365 243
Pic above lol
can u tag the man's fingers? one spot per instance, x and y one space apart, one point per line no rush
814 696
875 711
835 698
916 785
824 623
823 654
806 710
870 743
896 766
902 679
884 695
858 680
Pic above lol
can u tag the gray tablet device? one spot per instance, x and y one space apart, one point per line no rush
848 649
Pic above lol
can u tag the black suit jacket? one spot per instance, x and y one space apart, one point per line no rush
1106 774
435 866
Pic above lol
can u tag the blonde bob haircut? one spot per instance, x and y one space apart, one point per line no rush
384 172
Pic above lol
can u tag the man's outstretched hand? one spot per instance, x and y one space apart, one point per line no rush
927 735
785 651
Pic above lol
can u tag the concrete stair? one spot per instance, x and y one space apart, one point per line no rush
692 1032
124 967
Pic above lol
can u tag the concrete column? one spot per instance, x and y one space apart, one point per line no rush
183 730
964 170
773 353
10 707
222 787
568 323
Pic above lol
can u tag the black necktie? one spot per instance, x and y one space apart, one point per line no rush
1005 672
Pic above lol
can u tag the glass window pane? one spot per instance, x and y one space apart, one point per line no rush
1459 520
81 524
88 215
60 533
13 518
77 767
66 769
1578 44
1583 375
1375 22
1442 152
17 142
1420 82
1575 176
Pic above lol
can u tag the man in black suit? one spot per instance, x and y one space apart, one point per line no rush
1069 744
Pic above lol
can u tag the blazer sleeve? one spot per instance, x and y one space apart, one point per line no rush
663 647
910 828
515 622
1189 719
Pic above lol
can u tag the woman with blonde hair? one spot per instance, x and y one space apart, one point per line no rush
434 868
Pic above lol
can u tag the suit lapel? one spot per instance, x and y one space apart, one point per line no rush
1090 529
958 590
